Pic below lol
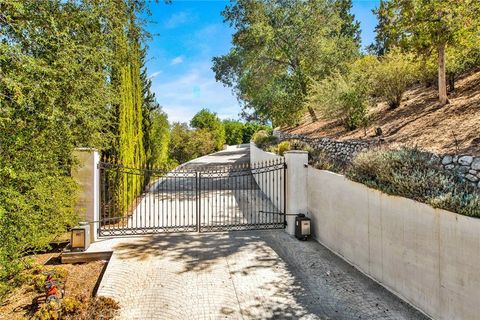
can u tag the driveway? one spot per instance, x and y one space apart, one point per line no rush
239 275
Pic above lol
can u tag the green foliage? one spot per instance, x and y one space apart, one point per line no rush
69 77
187 144
237 132
424 27
233 132
74 308
395 72
322 161
209 122
263 139
250 128
54 96
414 174
159 139
342 97
155 126
259 136
279 48
281 148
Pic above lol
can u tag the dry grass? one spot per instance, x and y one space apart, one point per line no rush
419 121
80 282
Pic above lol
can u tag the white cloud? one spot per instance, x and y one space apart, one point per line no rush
176 60
155 74
184 95
177 19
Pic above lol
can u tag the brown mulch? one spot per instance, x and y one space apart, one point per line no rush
419 121
81 281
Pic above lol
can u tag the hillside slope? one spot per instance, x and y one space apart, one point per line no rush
454 128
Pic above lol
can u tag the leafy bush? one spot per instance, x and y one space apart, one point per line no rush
322 161
233 132
263 140
281 148
209 121
237 132
250 128
259 136
187 144
393 75
411 173
74 308
341 97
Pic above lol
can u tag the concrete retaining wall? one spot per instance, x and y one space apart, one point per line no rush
429 257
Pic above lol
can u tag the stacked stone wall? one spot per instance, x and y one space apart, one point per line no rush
467 166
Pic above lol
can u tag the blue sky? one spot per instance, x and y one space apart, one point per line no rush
187 34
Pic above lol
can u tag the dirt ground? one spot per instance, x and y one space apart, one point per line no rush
419 121
81 281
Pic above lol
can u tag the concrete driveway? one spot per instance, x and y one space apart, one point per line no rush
239 275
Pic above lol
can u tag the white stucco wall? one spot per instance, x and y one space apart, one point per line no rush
429 257
86 174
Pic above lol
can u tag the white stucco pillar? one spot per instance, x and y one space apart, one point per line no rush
296 192
86 173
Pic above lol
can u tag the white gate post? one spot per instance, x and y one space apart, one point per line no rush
87 175
296 193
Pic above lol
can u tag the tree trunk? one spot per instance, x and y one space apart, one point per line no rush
312 114
451 82
442 77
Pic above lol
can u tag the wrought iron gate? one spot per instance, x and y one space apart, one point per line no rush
230 197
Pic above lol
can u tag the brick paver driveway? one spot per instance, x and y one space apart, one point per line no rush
239 275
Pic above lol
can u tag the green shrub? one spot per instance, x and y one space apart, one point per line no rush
263 140
259 136
414 174
233 132
283 147
209 121
250 128
341 97
322 161
393 75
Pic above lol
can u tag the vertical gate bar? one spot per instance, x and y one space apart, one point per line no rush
255 194
183 186
155 200
210 199
270 193
117 199
175 211
199 203
262 217
244 194
252 193
114 196
220 193
284 195
139 195
275 193
164 200
232 193
102 198
148 198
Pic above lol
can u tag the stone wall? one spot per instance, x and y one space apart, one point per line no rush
343 151
467 166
